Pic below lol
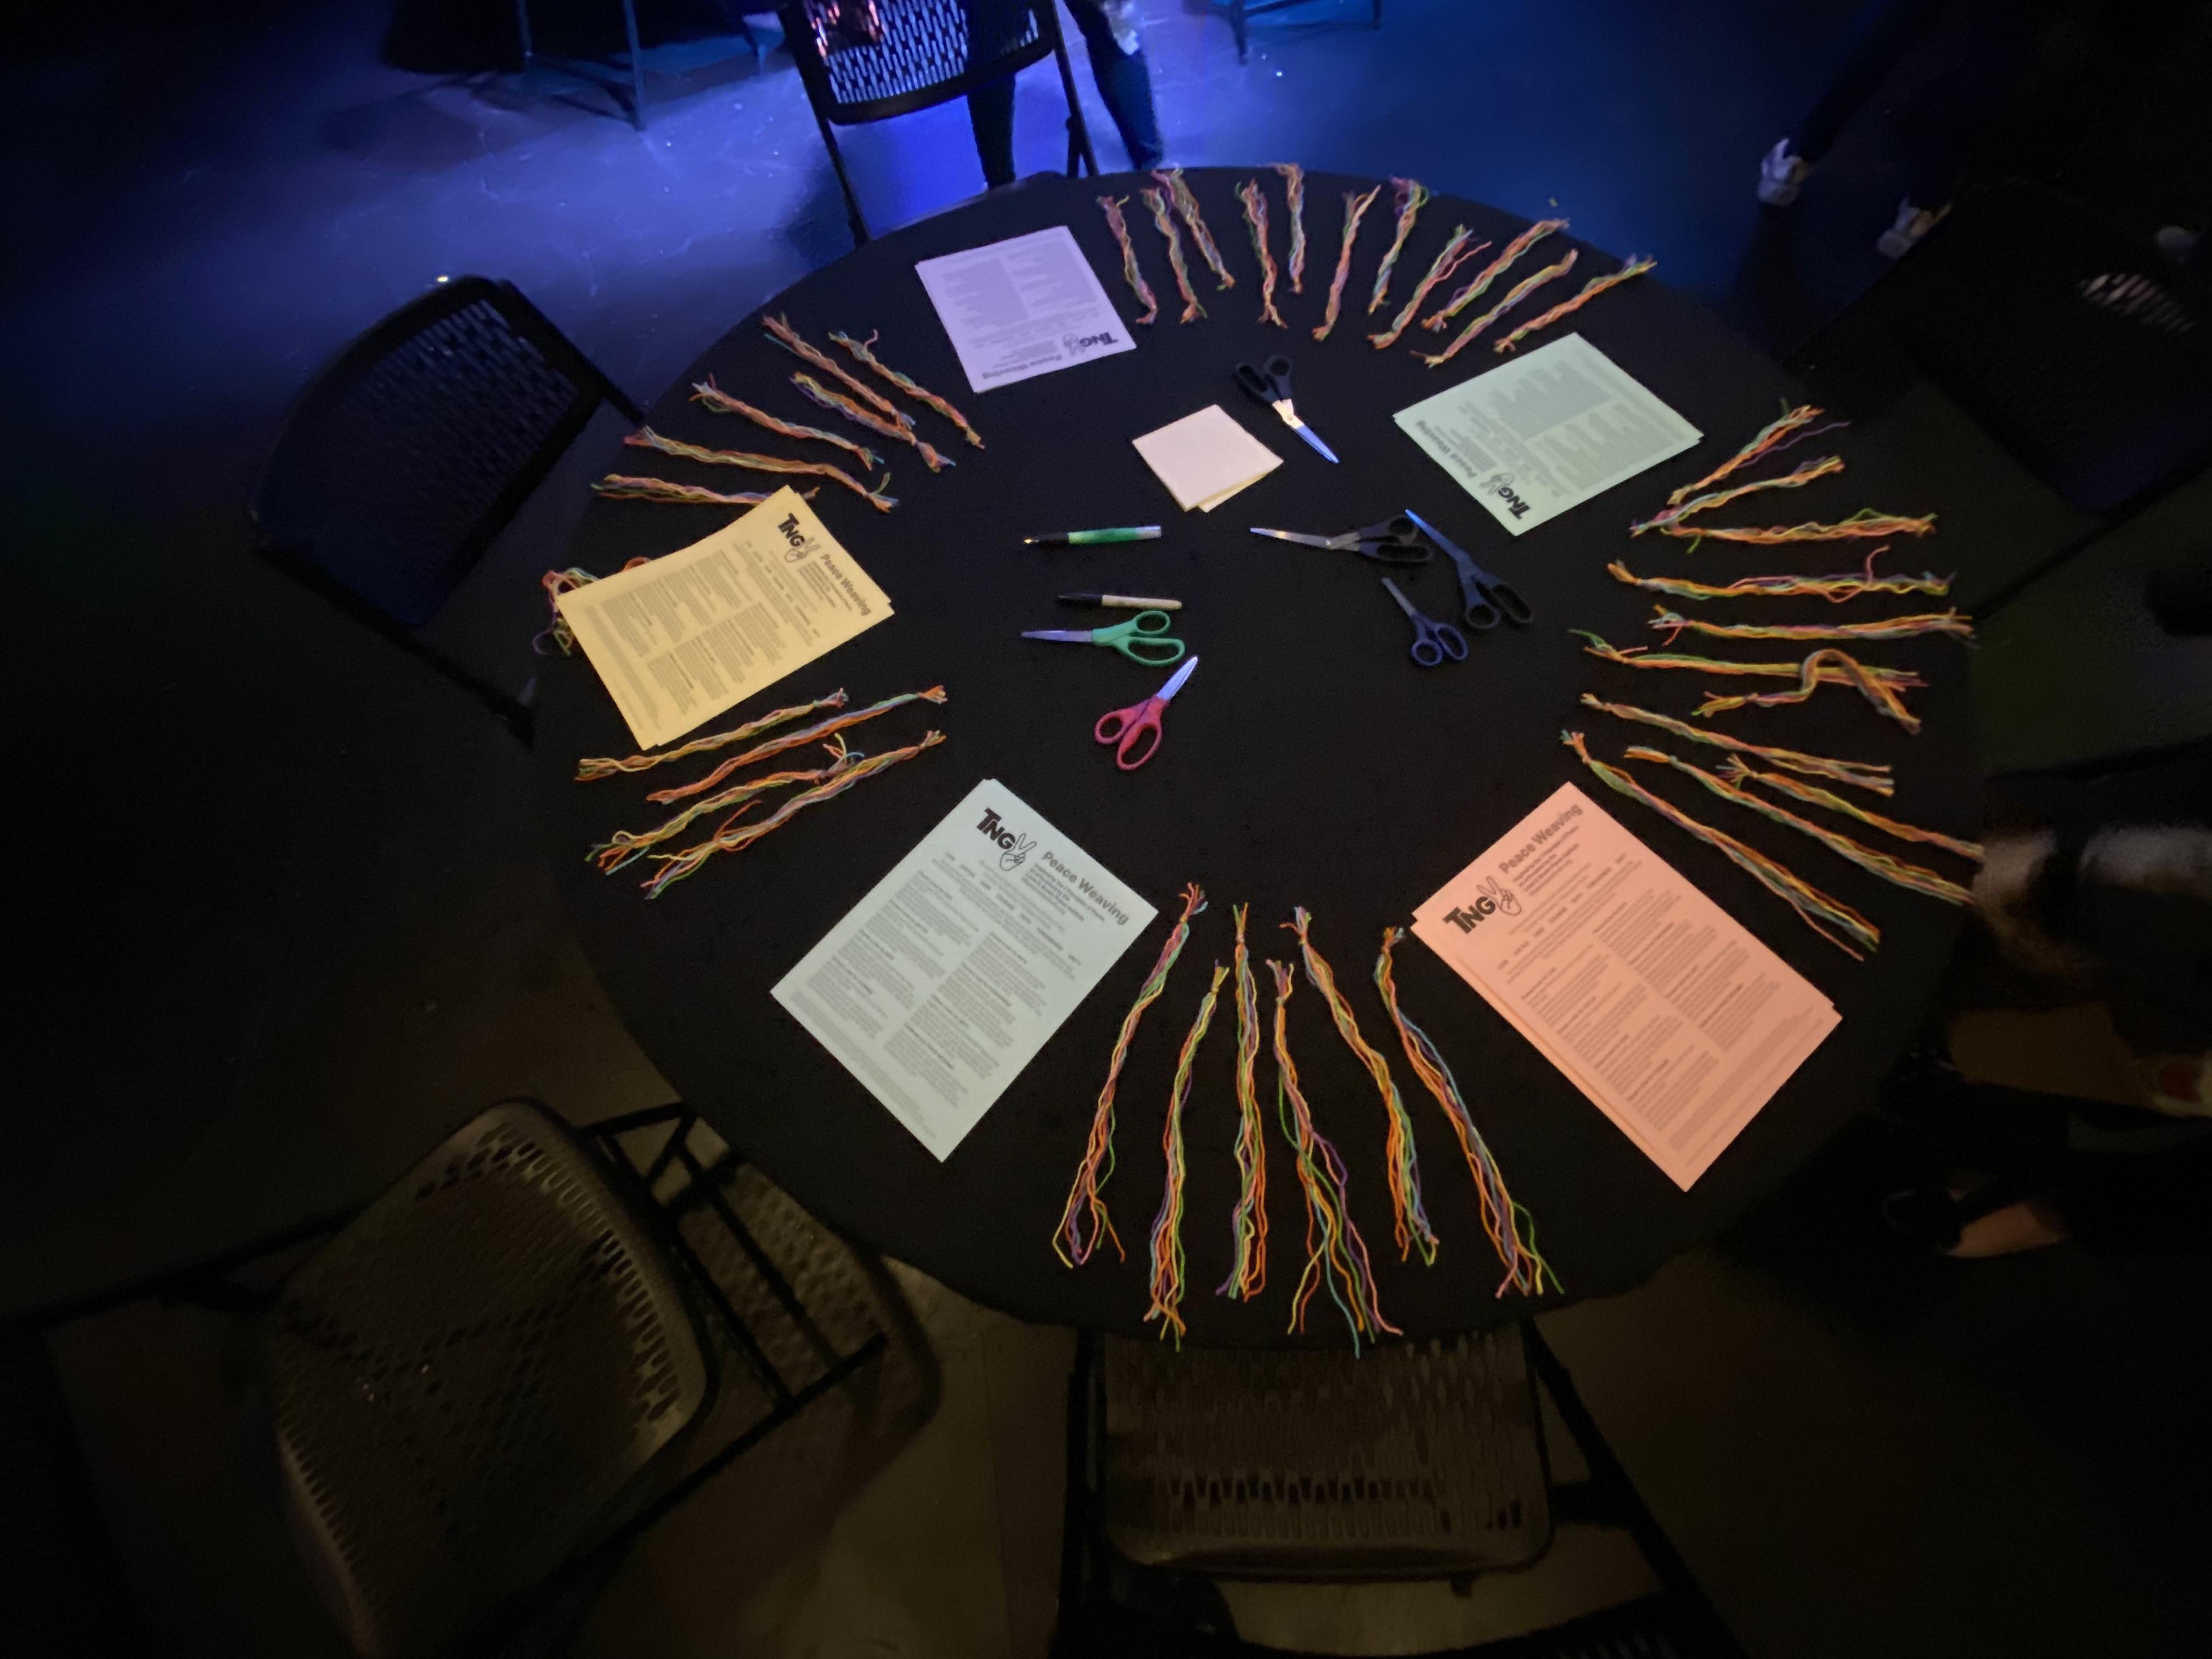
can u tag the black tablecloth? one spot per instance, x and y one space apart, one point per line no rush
1308 763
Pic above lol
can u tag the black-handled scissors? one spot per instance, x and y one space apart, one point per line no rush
1433 640
1487 598
1271 384
1394 541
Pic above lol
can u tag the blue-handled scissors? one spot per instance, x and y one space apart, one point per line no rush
1127 727
1271 384
1433 641
1486 596
1142 638
1394 541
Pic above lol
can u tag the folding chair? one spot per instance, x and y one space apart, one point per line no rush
527 41
408 452
869 60
1417 1460
1241 11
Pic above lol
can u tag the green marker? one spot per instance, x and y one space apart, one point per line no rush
1136 532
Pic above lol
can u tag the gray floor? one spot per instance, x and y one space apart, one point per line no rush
299 921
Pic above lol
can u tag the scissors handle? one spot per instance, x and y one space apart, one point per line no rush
1257 383
1127 727
1434 641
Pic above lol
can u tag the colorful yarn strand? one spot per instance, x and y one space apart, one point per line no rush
1355 209
588 770
1835 589
1336 1255
706 392
1167 1225
1456 252
1131 273
1074 1241
1768 439
675 866
1736 771
647 438
1637 265
1872 776
1512 1229
1814 908
797 739
1247 1223
623 487
1491 272
1520 291
1913 877
555 583
1294 200
1255 220
1949 623
797 344
625 848
899 432
1185 206
1157 201
1826 466
1409 197
1409 1217
1828 666
863 352
1864 523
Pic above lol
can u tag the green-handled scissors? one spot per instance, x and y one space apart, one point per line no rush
1142 638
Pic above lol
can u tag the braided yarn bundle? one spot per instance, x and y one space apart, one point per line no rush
796 739
624 846
1869 776
1512 1229
1157 201
1826 666
1410 196
623 487
791 340
706 392
586 770
1186 205
1294 195
1355 209
1767 439
1673 624
1814 908
1130 272
1247 1223
1167 1225
1084 1220
1456 252
647 438
1255 220
1336 1255
1847 585
1409 1218
675 866
1491 272
1736 771
1520 291
1865 523
863 352
900 431
1826 466
1637 265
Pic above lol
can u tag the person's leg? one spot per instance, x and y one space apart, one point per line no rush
1880 34
991 113
1125 80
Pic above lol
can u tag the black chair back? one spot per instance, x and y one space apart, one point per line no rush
869 60
415 447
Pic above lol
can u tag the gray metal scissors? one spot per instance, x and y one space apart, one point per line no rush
1433 640
1487 598
1271 384
1394 541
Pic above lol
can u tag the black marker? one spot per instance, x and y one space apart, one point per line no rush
1121 601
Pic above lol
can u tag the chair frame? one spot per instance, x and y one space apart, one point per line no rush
337 377
1609 1497
527 41
1240 12
814 74
211 1283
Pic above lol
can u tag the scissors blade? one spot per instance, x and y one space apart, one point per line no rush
1304 541
1452 549
1065 636
1307 433
1176 680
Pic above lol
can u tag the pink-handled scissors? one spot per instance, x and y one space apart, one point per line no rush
1127 726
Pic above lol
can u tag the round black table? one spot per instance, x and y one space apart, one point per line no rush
1308 762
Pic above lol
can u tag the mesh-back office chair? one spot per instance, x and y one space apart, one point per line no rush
1418 1461
868 60
2064 335
1240 12
414 446
494 1378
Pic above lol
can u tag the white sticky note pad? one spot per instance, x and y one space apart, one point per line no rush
1207 458
937 987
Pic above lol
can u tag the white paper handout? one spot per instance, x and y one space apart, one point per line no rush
1207 458
1022 306
679 640
1656 1004
1546 432
941 985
